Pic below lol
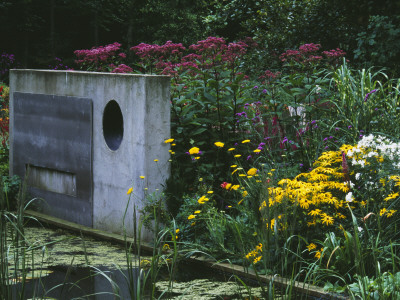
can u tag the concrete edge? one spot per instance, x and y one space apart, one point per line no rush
280 282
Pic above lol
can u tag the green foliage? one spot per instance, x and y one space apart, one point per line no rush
379 45
365 102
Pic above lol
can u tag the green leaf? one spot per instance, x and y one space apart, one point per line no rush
199 131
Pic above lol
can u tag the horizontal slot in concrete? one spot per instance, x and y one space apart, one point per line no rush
52 180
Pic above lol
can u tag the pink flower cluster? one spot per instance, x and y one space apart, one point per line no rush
334 53
169 58
309 48
308 54
269 75
99 58
122 68
165 57
167 50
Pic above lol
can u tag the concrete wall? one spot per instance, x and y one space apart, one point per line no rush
144 103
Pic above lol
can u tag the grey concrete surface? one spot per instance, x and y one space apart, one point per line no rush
55 140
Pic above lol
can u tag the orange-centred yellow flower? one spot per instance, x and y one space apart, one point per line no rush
194 150
219 144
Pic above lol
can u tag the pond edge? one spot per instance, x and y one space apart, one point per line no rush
281 282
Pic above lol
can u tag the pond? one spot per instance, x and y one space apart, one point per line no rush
80 267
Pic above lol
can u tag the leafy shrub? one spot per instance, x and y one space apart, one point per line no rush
379 45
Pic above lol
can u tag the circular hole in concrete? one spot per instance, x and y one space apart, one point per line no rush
113 125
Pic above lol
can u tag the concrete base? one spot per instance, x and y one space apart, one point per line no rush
87 138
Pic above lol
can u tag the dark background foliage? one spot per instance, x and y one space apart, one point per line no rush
37 31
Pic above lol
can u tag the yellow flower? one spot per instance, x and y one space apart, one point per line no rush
202 199
237 155
233 166
382 212
257 151
219 144
235 187
197 211
166 247
244 194
317 255
252 171
326 219
391 196
311 246
129 191
173 144
142 177
194 223
168 141
197 157
156 160
210 192
313 223
191 217
242 175
194 150
315 212
391 213
245 141
240 201
257 259
231 149
177 231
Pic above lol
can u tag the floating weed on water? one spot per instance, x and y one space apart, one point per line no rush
205 289
98 253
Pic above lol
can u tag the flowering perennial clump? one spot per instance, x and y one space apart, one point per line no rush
339 177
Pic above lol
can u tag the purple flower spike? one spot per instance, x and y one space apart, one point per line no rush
367 95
